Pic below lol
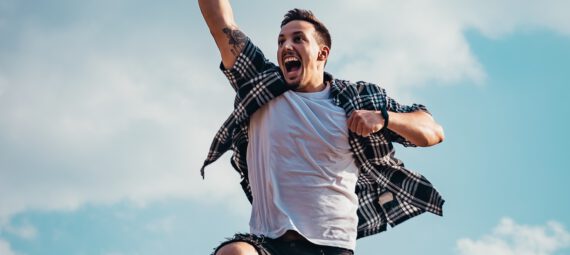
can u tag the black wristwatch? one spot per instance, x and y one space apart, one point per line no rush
385 116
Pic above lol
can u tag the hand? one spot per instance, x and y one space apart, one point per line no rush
365 122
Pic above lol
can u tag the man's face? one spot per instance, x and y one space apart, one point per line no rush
298 55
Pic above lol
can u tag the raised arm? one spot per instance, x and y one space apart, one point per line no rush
219 17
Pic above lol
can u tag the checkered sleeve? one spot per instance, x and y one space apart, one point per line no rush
256 81
393 106
249 63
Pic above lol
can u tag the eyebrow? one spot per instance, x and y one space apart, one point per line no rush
294 33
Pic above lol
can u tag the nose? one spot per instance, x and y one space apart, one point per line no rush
287 45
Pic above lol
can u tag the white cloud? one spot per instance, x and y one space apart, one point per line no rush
100 104
91 115
5 248
405 44
500 18
24 230
510 238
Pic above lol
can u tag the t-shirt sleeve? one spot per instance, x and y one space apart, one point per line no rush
393 106
249 63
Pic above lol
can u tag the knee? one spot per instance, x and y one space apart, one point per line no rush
237 248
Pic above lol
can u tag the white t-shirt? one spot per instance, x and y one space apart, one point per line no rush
301 170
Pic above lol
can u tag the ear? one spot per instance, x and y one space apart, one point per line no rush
323 53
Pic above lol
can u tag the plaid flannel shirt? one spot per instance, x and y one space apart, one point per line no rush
387 192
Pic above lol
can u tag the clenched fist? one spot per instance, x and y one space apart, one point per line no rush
365 122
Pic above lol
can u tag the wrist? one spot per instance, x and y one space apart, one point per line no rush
386 117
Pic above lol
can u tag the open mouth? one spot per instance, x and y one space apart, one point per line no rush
292 64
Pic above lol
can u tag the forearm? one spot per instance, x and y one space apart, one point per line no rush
217 14
417 127
219 17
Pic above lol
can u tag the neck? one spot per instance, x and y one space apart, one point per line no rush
308 89
315 85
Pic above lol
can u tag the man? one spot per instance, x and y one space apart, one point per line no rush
315 153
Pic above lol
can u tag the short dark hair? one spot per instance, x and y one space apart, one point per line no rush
324 37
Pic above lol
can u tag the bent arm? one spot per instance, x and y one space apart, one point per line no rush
417 127
219 17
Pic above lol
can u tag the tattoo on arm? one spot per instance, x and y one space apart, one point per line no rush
236 39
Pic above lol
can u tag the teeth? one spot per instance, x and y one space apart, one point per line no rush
289 59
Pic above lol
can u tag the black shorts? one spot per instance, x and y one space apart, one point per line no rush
269 246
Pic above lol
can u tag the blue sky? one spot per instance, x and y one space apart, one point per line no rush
107 109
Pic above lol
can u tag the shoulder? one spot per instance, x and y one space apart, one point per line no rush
251 55
250 66
361 88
